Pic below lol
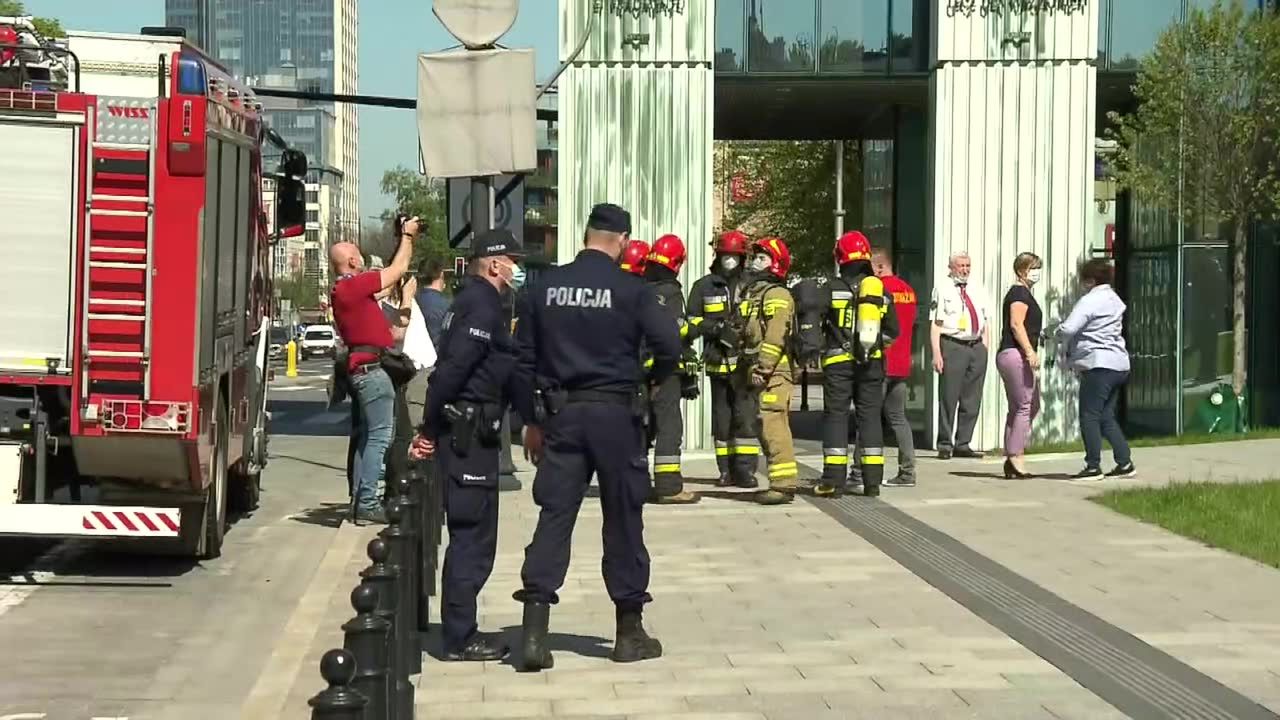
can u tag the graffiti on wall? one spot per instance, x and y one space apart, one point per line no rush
647 8
984 8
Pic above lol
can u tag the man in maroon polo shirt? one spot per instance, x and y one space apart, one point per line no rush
364 329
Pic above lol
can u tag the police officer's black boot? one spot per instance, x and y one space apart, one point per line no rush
535 654
632 643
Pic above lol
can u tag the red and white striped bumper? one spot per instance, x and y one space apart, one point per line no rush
105 521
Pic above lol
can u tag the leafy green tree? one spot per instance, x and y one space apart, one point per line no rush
299 290
1203 138
424 197
793 195
48 27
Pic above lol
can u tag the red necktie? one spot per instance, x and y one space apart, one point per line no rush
973 313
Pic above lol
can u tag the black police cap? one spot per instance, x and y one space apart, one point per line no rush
498 241
609 218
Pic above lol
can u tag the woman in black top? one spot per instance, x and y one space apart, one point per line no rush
1017 360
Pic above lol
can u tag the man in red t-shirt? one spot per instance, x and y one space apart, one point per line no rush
897 366
364 329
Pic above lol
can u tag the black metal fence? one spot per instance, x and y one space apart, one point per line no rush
369 677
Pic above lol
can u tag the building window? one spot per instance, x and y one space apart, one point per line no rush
313 216
731 29
855 36
780 37
1133 26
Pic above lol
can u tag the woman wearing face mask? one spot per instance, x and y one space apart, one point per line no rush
1018 360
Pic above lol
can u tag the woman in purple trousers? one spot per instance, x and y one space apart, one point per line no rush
1018 361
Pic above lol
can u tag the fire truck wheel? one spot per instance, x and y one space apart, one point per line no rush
245 490
215 505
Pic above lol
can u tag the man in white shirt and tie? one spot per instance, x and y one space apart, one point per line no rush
960 336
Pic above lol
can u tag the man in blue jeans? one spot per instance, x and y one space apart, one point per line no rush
1092 340
363 327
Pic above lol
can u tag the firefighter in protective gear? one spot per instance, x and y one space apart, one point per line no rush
634 256
765 365
666 426
712 303
858 322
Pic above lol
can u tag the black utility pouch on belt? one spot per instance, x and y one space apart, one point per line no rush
462 425
396 364
489 428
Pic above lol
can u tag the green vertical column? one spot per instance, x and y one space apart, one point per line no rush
636 130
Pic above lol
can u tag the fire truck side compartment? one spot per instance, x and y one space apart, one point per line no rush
38 195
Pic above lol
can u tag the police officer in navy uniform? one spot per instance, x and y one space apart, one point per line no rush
579 338
462 426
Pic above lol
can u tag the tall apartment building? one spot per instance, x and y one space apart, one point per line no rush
291 44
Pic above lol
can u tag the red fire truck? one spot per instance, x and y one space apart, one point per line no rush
135 257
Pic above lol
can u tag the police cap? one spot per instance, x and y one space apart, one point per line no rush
609 218
498 241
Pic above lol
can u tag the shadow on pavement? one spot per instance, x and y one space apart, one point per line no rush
309 418
746 496
702 481
327 515
1000 475
117 565
582 645
305 461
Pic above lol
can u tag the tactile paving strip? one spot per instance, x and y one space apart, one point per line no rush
1138 679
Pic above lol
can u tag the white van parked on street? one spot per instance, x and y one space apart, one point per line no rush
317 340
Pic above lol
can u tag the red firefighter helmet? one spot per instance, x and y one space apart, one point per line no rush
731 243
633 257
852 246
668 251
777 252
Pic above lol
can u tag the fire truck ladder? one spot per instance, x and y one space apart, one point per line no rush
118 267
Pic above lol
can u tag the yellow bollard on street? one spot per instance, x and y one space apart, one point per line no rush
291 361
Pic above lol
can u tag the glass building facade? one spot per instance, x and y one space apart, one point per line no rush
1176 277
306 45
835 37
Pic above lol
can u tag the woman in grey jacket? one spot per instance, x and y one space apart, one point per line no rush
1091 339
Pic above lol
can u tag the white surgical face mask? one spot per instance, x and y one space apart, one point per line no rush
1033 276
729 263
761 263
517 275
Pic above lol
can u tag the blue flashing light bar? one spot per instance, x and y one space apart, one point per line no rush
192 78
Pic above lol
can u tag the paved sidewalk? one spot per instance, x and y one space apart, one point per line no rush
764 613
785 613
1214 610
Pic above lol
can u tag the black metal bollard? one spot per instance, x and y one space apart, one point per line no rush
410 524
420 477
382 576
366 640
338 701
406 615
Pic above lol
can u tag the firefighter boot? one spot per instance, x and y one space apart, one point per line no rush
742 470
667 488
828 489
536 655
632 643
872 476
775 497
684 497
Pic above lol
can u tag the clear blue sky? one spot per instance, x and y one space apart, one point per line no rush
392 33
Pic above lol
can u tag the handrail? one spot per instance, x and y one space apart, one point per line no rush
51 49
